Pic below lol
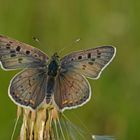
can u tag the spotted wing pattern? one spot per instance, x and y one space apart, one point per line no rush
28 87
72 90
14 54
90 62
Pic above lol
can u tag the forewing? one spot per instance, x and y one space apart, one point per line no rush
17 55
72 90
90 62
28 88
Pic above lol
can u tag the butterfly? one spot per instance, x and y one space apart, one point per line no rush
58 80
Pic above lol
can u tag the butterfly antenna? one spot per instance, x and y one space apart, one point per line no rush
72 44
36 40
17 119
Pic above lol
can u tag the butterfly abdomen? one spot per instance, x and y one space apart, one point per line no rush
50 84
50 88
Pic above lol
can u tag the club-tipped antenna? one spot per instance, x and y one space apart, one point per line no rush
37 41
74 42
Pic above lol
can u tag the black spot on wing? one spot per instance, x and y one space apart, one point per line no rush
89 55
8 47
80 57
27 52
18 48
72 59
8 44
35 55
12 53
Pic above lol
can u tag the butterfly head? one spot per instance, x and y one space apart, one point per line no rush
55 56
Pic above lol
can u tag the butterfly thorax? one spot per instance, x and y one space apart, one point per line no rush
53 65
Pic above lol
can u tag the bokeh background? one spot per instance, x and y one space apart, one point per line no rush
114 108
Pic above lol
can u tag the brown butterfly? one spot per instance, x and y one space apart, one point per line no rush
58 80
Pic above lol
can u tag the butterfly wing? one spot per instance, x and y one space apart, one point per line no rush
89 63
28 88
14 54
72 90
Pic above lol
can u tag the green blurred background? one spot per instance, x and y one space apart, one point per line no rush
114 108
